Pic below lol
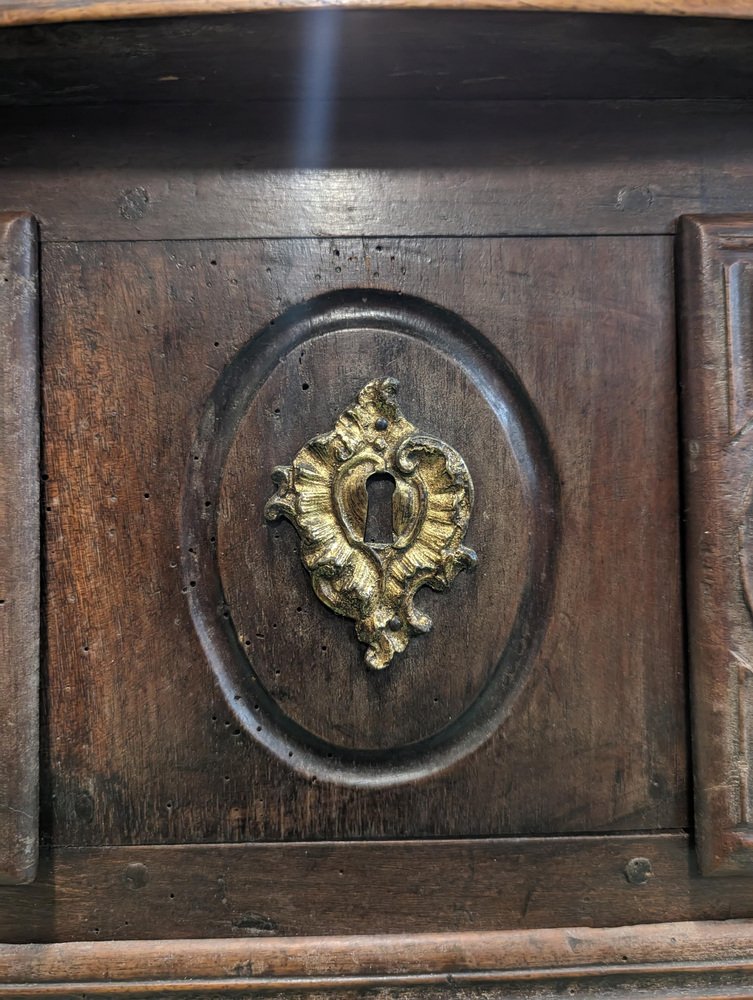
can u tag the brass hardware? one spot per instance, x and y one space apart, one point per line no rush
323 494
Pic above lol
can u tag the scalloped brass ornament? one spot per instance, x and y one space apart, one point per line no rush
323 494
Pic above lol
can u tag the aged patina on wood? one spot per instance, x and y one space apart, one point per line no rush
228 257
694 961
199 367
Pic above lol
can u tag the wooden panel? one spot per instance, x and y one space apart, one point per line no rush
563 168
690 958
146 746
272 890
19 549
717 323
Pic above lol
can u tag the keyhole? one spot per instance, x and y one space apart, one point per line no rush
379 489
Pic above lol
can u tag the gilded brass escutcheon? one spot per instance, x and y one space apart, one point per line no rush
323 494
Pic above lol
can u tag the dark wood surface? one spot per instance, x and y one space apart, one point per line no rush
205 179
272 890
424 168
368 55
691 960
19 549
586 731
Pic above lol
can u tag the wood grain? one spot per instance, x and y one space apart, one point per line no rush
560 168
19 549
247 891
45 11
426 713
344 56
674 955
717 297
144 745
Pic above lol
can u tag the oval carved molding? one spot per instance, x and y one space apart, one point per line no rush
356 313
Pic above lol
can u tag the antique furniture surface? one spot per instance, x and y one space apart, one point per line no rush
376 481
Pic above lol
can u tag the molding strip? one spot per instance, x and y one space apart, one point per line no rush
19 549
697 958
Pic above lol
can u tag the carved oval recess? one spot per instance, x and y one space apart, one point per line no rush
290 669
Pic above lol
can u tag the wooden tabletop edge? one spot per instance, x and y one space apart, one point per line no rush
20 12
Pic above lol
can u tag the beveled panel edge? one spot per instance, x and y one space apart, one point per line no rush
19 548
696 958
716 374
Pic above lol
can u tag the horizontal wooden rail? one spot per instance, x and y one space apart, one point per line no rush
704 959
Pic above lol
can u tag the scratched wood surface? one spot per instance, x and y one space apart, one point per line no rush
19 548
247 891
562 168
691 958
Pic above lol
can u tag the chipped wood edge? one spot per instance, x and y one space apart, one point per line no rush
55 11
696 957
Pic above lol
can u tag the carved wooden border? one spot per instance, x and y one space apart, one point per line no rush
19 548
696 960
716 334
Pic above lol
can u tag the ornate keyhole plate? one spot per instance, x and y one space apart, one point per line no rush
323 494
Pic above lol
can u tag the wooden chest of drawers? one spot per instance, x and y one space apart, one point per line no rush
376 489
